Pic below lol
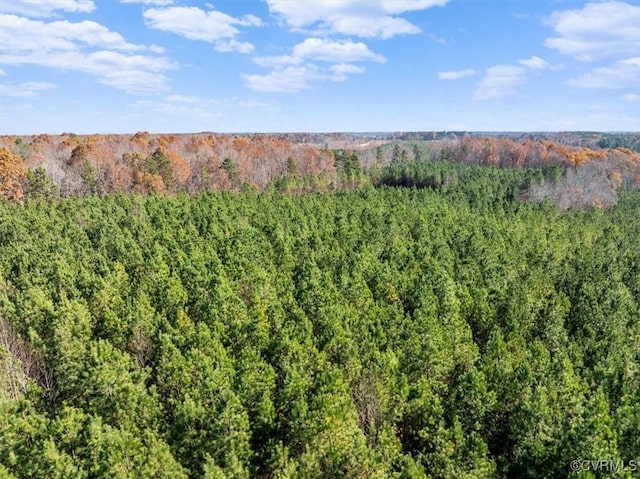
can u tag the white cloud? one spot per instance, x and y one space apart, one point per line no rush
27 89
321 49
363 18
288 79
631 97
342 70
2 72
607 30
335 51
192 23
536 63
251 21
500 81
85 46
623 74
599 30
132 73
277 60
373 26
503 80
45 8
160 3
23 34
360 18
210 26
292 73
300 77
396 7
184 99
226 46
346 68
456 75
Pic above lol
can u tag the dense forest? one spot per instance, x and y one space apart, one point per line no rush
401 311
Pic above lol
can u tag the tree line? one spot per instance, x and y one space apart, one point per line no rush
72 165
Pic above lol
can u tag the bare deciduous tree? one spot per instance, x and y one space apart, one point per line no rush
19 363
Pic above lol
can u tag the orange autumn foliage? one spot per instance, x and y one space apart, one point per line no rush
192 162
12 175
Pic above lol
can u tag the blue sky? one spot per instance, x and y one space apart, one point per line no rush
121 66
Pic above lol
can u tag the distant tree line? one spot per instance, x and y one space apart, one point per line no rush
71 165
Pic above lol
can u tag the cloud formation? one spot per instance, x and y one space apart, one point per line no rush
536 63
23 34
500 81
295 72
599 30
342 70
503 80
287 79
456 75
606 34
84 46
325 20
335 51
46 8
326 50
26 89
159 3
623 74
363 18
210 26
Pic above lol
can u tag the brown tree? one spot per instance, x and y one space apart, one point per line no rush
12 175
